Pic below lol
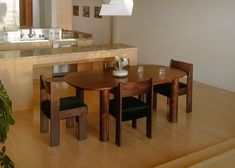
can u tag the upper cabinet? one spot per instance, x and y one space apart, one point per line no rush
26 15
35 13
64 14
46 13
56 13
9 15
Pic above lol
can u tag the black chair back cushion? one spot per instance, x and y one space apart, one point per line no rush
165 89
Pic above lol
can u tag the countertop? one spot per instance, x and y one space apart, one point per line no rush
17 66
60 51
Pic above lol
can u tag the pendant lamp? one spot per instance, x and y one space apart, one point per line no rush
117 8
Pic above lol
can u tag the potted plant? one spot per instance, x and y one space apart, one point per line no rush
120 62
6 120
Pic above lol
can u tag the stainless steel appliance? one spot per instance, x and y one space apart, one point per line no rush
61 70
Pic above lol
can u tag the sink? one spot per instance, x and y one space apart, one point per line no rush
33 39
65 40
26 40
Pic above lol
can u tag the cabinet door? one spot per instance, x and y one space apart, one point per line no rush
26 19
64 14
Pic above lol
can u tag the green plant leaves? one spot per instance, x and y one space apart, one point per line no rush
4 128
5 161
6 120
5 102
5 113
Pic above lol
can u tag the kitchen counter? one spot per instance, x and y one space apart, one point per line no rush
16 66
59 51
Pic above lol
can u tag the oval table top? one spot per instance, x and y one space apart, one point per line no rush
104 79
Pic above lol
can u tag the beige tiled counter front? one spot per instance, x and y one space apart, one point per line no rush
16 67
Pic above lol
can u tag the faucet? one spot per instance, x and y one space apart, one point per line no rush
5 34
21 34
31 33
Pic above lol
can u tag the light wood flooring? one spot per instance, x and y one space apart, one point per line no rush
224 160
212 122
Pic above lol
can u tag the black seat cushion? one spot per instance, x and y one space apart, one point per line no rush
132 107
165 89
66 103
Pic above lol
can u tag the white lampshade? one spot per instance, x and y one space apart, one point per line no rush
117 8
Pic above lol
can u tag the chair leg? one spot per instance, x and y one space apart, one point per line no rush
134 123
149 125
168 101
189 103
118 133
54 132
141 97
44 123
70 122
154 100
82 126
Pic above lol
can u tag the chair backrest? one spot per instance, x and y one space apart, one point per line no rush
108 63
44 89
48 91
186 67
136 89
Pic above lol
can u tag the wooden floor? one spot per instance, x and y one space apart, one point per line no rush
212 122
224 160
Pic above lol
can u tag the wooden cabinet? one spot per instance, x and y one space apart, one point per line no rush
90 66
64 14
8 46
25 45
53 13
34 45
26 16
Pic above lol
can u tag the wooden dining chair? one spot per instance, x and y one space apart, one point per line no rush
126 107
54 108
108 63
184 88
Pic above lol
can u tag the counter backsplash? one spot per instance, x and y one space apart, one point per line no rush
31 34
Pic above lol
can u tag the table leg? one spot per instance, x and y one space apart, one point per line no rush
173 113
104 115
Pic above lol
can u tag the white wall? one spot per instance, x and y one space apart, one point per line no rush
9 15
99 28
197 31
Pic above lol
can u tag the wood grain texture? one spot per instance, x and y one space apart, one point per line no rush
64 14
50 92
212 122
104 81
17 66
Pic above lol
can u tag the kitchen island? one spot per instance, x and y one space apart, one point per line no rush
16 66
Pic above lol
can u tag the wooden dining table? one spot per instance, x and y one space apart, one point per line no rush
104 81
